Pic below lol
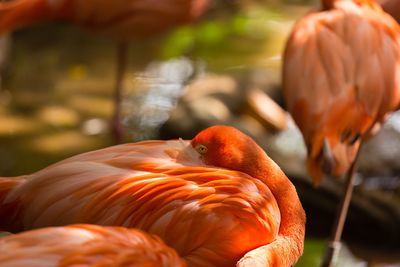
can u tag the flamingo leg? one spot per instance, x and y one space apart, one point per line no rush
333 247
116 128
5 49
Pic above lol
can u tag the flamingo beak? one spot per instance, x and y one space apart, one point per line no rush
328 163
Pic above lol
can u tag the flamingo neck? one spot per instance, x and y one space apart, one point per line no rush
293 218
284 192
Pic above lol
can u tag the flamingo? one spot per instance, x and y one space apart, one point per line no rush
119 19
217 199
341 79
86 245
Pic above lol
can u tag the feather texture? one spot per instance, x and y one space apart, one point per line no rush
121 19
211 216
341 76
86 245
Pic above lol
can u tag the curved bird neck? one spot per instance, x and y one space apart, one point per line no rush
285 194
293 218
292 213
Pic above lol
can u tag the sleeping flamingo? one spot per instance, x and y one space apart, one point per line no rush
216 199
86 245
119 19
341 79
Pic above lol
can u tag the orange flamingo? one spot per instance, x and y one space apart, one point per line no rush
120 19
86 245
215 200
340 81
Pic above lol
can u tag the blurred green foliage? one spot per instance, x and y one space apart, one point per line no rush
313 252
226 41
4 234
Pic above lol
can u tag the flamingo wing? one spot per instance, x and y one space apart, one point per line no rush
86 245
211 216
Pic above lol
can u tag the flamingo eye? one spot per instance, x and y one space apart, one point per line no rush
202 149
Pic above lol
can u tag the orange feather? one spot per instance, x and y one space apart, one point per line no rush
86 245
212 216
227 147
340 78
121 19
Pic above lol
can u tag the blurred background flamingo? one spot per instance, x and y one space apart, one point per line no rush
87 245
171 189
122 20
341 80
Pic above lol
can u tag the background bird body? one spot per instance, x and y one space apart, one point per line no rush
86 245
349 83
122 19
211 216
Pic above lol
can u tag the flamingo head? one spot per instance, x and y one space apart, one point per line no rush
227 147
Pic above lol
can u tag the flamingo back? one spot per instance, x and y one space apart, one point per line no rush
211 216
